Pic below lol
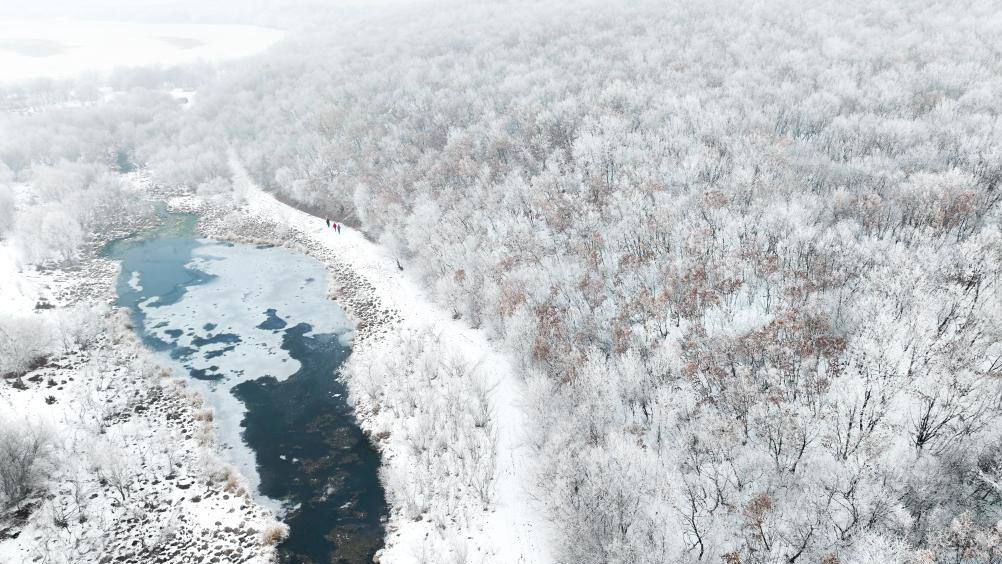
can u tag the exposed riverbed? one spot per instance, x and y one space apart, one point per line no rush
252 327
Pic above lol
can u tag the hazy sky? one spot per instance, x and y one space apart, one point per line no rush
287 14
216 11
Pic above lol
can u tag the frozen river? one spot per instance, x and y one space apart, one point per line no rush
66 48
252 328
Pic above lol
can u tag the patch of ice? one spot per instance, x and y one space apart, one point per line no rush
134 282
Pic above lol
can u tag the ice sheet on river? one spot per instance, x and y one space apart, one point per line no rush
229 329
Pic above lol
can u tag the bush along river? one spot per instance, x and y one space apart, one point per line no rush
252 327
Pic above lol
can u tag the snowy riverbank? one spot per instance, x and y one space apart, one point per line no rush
441 403
129 470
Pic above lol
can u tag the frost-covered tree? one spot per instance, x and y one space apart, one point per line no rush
25 452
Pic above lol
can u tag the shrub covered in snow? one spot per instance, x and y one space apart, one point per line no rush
26 451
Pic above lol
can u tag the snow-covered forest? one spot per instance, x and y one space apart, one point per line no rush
745 256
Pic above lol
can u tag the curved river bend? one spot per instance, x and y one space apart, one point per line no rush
252 327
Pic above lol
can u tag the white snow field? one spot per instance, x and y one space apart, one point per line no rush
32 49
514 531
18 292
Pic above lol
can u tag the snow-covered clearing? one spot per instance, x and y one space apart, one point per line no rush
513 529
65 48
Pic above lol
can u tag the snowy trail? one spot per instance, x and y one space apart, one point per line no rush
515 532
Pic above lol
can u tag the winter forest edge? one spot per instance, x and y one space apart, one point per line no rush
745 256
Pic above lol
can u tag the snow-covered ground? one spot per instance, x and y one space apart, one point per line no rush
66 48
513 529
18 292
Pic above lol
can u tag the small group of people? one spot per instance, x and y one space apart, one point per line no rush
333 224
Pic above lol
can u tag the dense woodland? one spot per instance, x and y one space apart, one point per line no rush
747 254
